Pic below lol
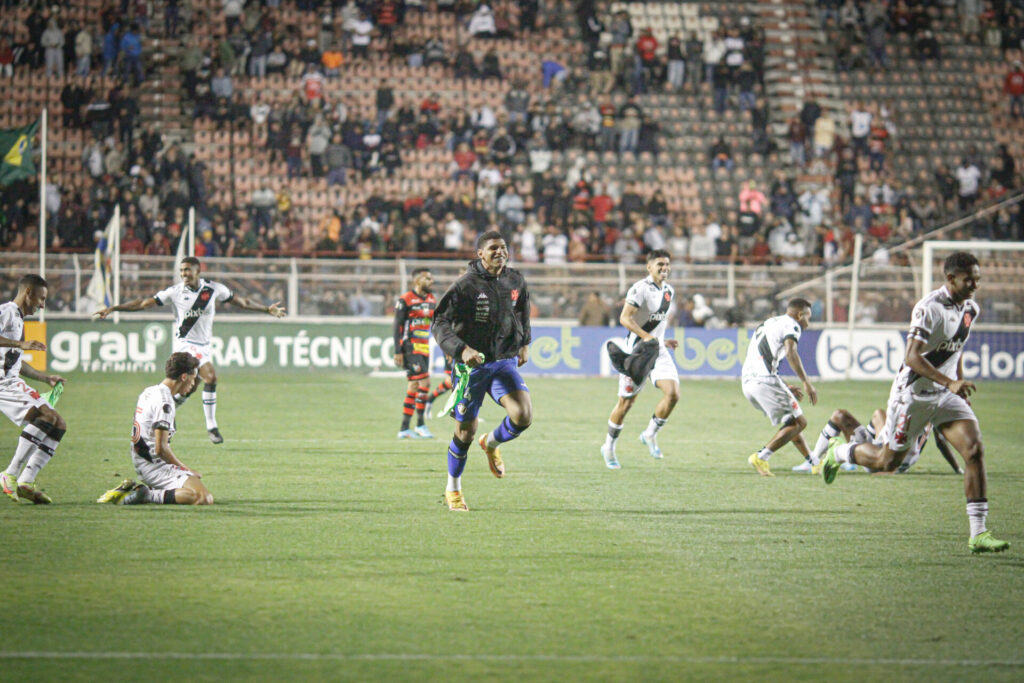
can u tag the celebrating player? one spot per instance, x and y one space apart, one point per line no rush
930 387
645 315
165 479
414 313
774 338
43 426
843 422
194 300
483 321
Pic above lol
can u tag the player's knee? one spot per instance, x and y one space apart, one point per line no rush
523 419
974 453
800 423
840 417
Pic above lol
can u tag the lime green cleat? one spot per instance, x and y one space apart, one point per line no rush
984 543
829 464
10 486
115 495
760 465
29 492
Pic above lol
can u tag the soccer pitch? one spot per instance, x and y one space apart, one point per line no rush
329 554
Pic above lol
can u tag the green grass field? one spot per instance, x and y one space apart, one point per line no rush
329 555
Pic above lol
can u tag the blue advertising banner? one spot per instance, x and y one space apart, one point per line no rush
876 353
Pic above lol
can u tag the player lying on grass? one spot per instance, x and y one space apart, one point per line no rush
164 478
43 427
843 422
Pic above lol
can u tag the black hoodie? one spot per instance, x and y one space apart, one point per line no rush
489 313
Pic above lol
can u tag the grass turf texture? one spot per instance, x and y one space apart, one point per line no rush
330 556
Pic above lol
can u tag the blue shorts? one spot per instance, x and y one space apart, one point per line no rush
496 378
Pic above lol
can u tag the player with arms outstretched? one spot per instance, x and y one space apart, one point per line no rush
775 338
43 426
483 321
194 300
165 479
414 313
930 388
645 316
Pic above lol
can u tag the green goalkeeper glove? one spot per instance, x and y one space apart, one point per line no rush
53 395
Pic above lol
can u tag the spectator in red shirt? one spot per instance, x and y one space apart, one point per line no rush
431 106
387 17
1014 87
646 59
464 163
601 204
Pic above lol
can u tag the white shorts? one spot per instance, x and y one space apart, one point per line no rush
160 475
201 352
17 398
908 414
664 368
772 397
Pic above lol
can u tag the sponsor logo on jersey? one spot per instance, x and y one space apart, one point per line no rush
951 345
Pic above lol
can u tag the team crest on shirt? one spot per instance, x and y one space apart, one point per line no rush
967 319
668 296
515 295
204 295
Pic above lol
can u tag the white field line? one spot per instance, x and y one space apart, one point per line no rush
585 659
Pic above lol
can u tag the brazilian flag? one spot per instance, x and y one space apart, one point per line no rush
16 148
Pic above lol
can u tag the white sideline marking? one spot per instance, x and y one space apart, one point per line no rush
596 659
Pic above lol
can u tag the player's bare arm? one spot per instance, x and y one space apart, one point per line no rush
26 345
793 356
275 309
163 450
139 304
31 373
919 364
627 321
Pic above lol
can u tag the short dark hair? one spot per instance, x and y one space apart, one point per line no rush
180 363
487 237
191 260
32 281
798 303
658 253
959 262
417 271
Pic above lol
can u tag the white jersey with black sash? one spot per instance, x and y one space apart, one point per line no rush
194 308
652 303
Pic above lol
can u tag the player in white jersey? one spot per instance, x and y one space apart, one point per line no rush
930 388
194 300
645 315
843 422
774 339
43 426
164 478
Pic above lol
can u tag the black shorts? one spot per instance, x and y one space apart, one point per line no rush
417 366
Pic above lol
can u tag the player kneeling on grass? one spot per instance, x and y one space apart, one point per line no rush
165 479
43 426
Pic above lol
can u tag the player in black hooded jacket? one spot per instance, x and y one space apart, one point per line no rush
483 321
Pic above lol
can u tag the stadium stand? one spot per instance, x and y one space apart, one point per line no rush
763 132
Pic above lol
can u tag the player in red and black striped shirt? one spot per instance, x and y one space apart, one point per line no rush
414 313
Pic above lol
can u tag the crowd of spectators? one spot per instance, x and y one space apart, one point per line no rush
587 104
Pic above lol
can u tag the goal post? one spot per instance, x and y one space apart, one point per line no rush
1001 291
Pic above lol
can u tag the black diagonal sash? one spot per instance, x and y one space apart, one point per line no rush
666 301
203 299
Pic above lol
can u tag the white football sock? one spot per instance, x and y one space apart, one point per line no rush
976 514
765 453
654 425
829 431
26 444
210 409
843 453
454 483
613 434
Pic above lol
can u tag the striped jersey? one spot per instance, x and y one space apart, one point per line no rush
413 316
943 326
194 308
